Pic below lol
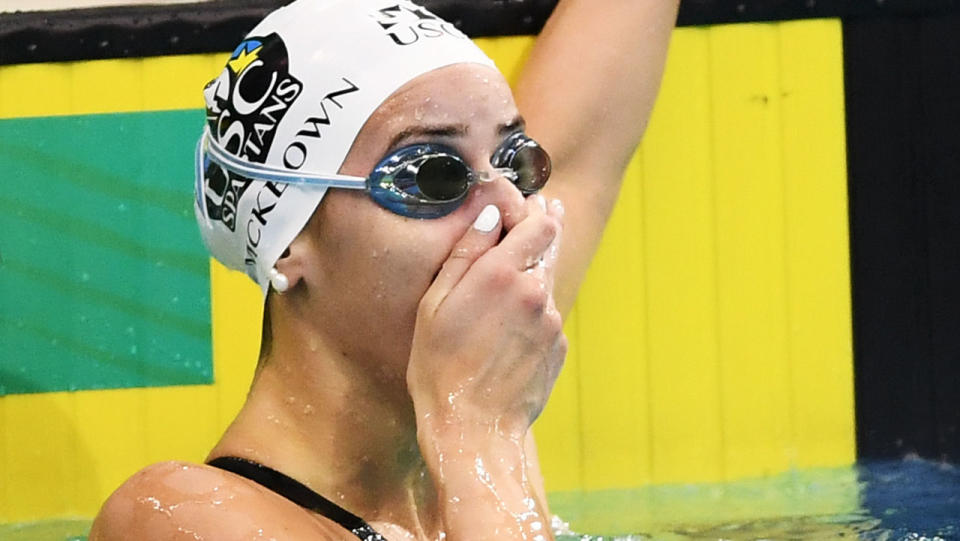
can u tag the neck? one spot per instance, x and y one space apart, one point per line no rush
331 422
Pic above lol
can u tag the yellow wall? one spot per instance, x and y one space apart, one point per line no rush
711 340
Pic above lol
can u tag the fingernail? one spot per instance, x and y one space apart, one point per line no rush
488 219
558 205
542 202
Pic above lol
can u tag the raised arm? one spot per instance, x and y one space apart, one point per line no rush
586 93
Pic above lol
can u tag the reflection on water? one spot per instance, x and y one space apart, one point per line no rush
905 500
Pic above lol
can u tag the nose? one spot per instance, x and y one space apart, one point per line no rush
497 189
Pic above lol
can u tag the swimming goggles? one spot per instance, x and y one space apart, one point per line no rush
424 180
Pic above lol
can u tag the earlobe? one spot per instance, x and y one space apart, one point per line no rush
286 273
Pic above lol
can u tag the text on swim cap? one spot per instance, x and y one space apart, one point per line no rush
245 104
295 154
406 24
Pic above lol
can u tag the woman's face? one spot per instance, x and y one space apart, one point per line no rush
364 268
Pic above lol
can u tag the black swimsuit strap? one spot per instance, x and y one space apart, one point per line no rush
298 493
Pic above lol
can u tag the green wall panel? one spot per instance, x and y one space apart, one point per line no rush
104 280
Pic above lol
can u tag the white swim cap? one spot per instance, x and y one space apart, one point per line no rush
295 94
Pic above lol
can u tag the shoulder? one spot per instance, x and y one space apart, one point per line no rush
178 499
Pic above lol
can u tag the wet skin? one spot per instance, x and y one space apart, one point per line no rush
400 340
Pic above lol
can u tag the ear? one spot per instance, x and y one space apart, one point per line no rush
292 263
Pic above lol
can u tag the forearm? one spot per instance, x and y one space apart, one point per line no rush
483 485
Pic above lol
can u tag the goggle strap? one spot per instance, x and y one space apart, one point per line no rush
235 165
198 179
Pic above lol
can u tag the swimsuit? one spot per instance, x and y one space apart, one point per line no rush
298 493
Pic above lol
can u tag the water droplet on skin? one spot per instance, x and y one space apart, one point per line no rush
308 410
380 290
290 399
374 254
154 504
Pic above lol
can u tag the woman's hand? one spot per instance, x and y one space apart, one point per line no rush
487 348
488 343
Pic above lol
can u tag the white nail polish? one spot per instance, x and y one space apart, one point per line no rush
542 202
488 219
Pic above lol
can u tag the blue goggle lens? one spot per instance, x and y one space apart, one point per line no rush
429 180
530 163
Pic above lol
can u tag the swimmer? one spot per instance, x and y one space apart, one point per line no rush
402 211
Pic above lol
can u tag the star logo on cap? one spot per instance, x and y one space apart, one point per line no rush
244 57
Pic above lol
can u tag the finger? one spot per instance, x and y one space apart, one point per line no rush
479 238
536 205
552 253
545 268
526 243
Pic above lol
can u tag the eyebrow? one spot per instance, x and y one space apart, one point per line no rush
517 124
446 130
451 130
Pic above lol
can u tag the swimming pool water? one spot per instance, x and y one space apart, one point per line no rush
904 500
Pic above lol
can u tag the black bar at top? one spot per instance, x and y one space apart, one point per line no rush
139 31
